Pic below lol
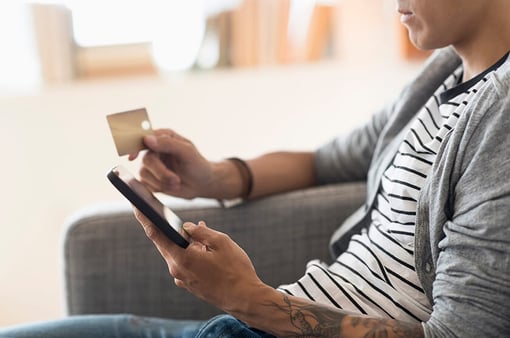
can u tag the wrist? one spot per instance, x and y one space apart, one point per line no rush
227 180
253 309
246 176
233 181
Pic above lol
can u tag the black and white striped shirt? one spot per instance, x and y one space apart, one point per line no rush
376 275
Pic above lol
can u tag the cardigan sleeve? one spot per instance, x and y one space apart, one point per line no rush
471 291
347 157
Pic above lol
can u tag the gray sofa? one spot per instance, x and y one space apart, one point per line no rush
111 267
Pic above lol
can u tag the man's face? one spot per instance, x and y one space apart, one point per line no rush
439 23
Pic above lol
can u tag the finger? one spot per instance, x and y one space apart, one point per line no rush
157 173
203 234
133 156
149 180
180 284
164 245
152 161
167 143
153 183
170 133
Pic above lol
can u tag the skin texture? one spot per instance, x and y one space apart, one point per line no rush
174 166
479 30
236 288
431 24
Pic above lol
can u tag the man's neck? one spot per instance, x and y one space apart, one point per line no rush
487 46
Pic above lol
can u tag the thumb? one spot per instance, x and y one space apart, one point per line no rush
151 141
200 233
165 143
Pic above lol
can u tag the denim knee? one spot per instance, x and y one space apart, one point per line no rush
223 326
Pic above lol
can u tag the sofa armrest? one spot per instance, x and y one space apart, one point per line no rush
111 267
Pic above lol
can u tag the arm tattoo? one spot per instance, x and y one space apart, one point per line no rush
310 320
382 327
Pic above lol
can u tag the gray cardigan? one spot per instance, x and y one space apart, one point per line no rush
462 241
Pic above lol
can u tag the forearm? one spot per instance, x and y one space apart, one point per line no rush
287 316
282 171
272 173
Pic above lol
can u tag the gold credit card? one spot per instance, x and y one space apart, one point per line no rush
128 129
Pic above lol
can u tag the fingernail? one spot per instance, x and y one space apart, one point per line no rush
188 226
151 139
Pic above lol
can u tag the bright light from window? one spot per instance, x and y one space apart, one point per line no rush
111 22
19 67
180 32
175 27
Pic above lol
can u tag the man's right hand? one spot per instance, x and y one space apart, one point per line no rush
174 166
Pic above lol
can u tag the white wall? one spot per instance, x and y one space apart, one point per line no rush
57 148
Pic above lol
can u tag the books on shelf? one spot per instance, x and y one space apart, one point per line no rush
260 32
54 38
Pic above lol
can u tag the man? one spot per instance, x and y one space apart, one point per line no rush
428 254
435 170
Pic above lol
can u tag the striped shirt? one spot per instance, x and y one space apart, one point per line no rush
376 275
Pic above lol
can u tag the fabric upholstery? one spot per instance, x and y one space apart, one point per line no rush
111 267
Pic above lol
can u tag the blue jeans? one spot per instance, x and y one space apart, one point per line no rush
128 326
224 326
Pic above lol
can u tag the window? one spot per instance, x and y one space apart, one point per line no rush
19 67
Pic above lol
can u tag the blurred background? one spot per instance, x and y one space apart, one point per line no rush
236 77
